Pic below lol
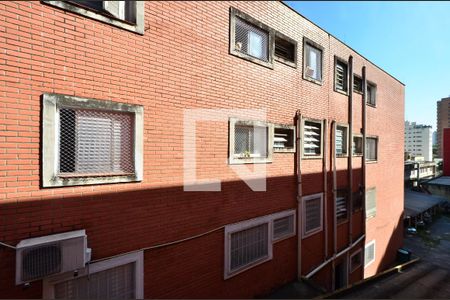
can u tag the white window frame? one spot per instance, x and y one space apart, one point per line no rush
294 136
365 203
240 226
374 94
233 158
315 230
357 135
50 139
345 87
302 138
376 150
91 13
135 257
366 264
310 43
353 268
280 215
346 140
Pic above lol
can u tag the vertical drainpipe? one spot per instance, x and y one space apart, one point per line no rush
299 194
333 151
350 149
325 188
364 79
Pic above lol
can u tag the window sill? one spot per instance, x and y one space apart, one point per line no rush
267 64
286 62
341 222
251 160
357 155
312 157
62 181
342 156
318 82
357 92
290 150
371 161
311 233
341 92
247 267
371 105
91 13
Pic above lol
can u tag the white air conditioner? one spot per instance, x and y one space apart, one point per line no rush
40 257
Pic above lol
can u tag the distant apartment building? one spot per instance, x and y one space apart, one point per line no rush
126 127
443 121
419 140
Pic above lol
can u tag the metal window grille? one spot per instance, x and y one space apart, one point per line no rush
341 140
284 49
312 137
283 227
312 214
283 138
251 40
93 142
41 261
369 254
357 84
357 145
249 246
341 206
341 76
371 148
114 283
313 63
250 141
371 203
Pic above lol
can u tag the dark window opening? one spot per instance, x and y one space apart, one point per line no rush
341 75
283 139
285 49
357 84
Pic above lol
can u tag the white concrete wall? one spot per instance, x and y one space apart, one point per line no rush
418 140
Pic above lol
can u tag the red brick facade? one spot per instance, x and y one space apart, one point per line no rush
182 61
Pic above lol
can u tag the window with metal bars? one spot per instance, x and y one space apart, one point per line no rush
371 203
340 76
312 214
371 148
357 146
285 50
355 260
342 206
341 140
284 138
371 94
369 253
251 40
357 84
312 61
249 141
312 138
90 141
283 227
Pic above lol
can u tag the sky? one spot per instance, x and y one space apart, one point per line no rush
409 40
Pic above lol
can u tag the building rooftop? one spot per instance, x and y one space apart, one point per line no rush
443 180
416 203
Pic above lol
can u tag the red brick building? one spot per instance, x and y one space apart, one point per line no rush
94 97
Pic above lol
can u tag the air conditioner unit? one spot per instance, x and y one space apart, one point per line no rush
40 257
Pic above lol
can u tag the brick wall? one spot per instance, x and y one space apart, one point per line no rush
181 62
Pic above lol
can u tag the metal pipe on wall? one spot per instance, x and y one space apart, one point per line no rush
325 188
299 193
350 149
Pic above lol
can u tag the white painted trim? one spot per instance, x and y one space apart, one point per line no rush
302 138
318 229
354 268
280 215
373 242
134 257
236 227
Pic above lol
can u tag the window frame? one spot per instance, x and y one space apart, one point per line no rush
365 203
232 159
279 35
376 138
306 234
243 225
374 88
352 267
338 60
50 140
343 193
302 137
346 126
373 242
360 136
103 17
48 284
307 41
362 83
286 127
235 13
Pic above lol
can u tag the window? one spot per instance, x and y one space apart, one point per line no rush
285 50
284 138
371 149
340 75
371 203
342 206
87 141
369 253
357 199
249 243
371 94
128 15
357 84
250 39
341 141
357 145
312 214
312 61
312 138
355 260
120 277
249 141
